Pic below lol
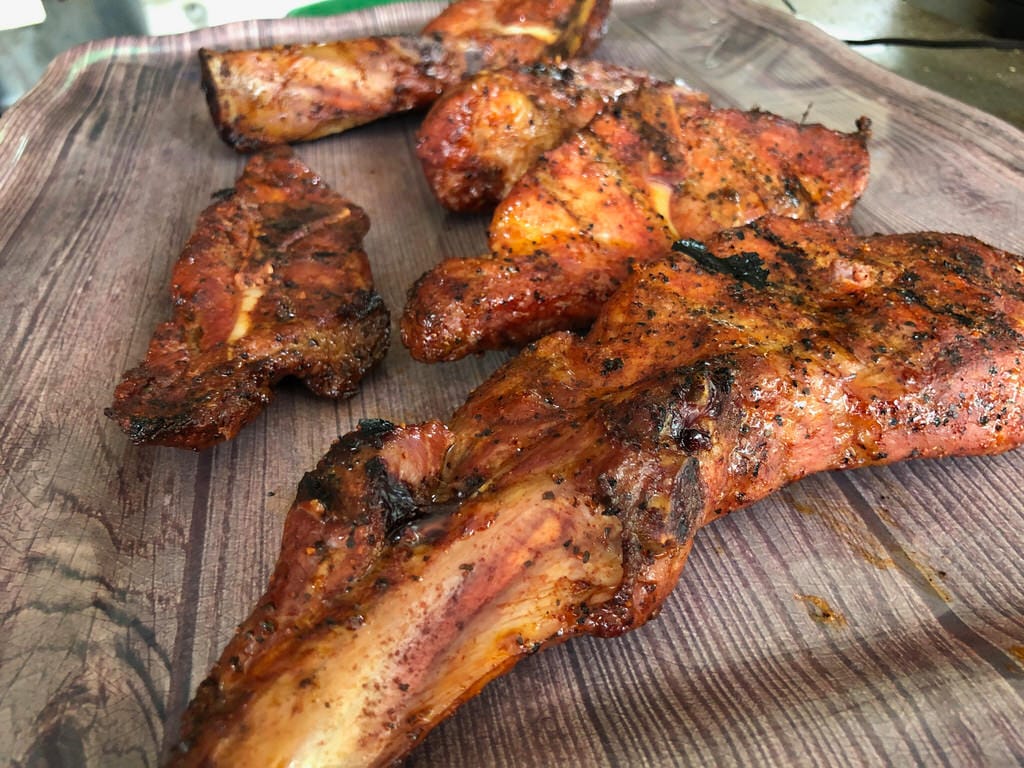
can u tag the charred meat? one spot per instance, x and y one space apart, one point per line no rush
295 93
660 165
420 562
483 134
273 282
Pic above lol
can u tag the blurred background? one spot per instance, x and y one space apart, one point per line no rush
972 50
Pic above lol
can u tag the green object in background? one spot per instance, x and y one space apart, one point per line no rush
332 7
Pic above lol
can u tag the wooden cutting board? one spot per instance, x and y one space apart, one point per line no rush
872 617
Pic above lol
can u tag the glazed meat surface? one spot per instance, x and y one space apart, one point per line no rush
300 92
483 134
562 499
659 166
272 283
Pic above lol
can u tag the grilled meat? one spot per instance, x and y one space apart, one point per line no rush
420 562
658 166
273 282
483 134
299 92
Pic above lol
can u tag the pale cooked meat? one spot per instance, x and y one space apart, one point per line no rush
273 282
483 134
562 499
292 93
658 166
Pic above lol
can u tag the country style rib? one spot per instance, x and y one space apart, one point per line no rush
292 93
483 134
658 166
420 562
274 282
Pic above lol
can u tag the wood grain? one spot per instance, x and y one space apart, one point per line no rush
874 617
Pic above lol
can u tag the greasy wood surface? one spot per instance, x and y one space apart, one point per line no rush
874 617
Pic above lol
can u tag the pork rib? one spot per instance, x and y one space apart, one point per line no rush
273 282
483 134
295 93
658 166
420 562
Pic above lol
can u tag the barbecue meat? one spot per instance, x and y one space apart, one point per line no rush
273 282
299 92
420 562
658 166
485 133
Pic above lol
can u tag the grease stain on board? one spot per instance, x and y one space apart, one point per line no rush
855 533
850 528
820 611
934 576
1017 651
884 514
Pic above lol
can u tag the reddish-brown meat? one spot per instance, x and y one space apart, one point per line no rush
420 562
485 133
658 166
273 282
299 92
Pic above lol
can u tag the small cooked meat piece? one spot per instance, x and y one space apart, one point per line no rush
292 93
274 282
420 562
656 167
485 133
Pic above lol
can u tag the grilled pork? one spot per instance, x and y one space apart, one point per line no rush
660 165
273 282
562 499
299 92
486 132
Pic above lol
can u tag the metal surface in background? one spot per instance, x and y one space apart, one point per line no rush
972 51
25 52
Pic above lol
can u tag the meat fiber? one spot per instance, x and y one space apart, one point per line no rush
274 282
483 134
419 562
659 166
300 92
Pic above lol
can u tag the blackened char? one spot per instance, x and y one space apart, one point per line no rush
273 282
659 166
563 497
